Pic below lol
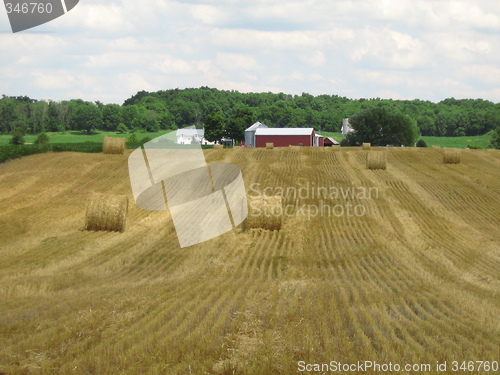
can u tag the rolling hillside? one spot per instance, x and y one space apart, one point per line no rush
415 280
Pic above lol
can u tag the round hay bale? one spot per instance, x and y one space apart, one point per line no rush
436 147
451 156
376 160
106 212
270 146
218 146
367 146
264 212
113 145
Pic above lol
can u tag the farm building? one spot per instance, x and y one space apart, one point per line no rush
284 137
329 142
250 133
227 142
191 136
319 141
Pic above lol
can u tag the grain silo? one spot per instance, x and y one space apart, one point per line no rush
250 134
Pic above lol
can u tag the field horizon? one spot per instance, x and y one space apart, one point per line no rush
412 280
482 141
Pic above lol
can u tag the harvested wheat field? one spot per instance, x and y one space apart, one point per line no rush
410 277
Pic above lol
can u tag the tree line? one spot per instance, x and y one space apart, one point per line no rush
176 108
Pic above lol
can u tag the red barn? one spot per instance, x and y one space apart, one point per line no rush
284 137
329 141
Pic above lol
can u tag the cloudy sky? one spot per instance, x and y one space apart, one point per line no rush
400 49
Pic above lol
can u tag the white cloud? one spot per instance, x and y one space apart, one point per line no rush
315 59
60 79
405 49
236 61
208 14
171 65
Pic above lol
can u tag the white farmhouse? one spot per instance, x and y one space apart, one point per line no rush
191 136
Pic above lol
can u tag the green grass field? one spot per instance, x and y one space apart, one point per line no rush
334 135
78 137
482 141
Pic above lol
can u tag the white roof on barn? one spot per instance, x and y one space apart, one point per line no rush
255 126
284 131
190 132
332 140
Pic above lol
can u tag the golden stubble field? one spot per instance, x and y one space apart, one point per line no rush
413 281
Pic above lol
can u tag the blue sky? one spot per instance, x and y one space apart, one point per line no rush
109 50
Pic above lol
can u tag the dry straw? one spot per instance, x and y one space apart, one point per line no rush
106 212
436 147
336 147
113 145
264 212
270 146
376 160
218 146
451 156
366 146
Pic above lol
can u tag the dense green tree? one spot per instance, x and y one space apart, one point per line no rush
495 138
38 117
147 120
121 128
17 138
130 114
242 118
42 139
214 127
380 127
133 138
323 112
111 116
179 108
52 121
87 117
421 143
165 119
185 113
8 115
